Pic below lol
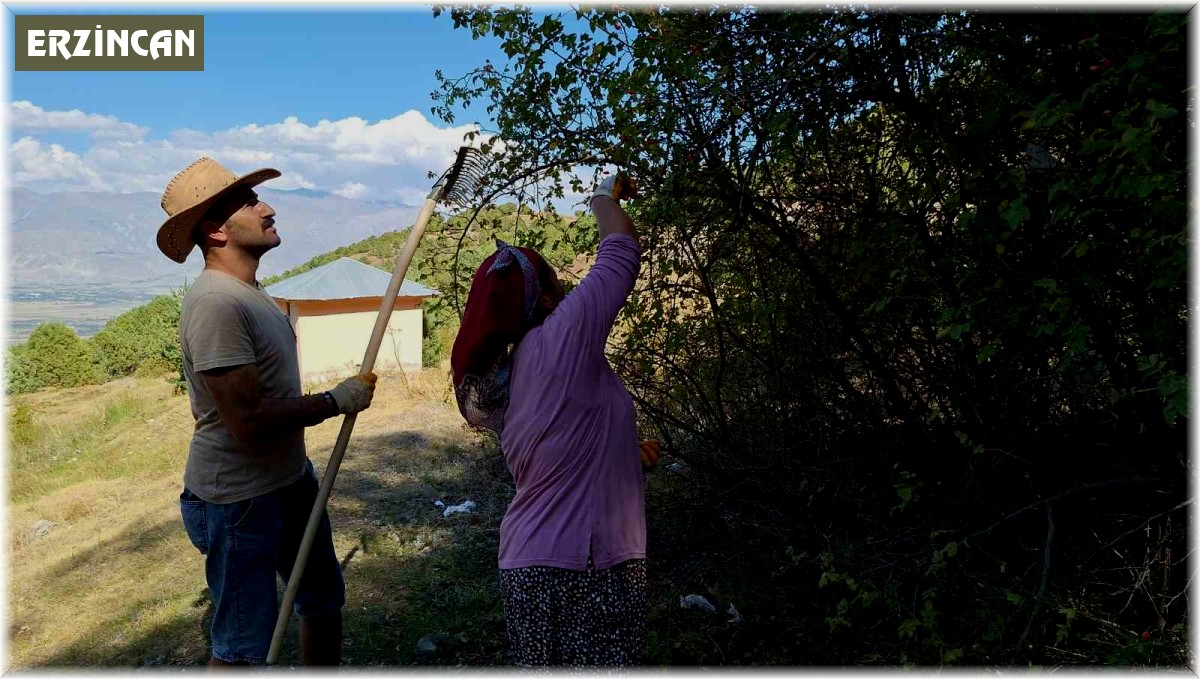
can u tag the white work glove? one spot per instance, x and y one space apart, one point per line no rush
616 186
354 395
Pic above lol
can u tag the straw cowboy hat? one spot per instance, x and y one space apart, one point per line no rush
190 194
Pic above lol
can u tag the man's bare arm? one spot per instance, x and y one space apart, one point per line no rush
249 416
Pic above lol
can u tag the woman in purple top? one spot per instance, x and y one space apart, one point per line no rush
529 365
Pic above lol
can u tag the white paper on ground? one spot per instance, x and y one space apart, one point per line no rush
696 601
465 508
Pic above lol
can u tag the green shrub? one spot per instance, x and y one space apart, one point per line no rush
20 377
435 341
148 333
431 350
21 429
54 356
155 366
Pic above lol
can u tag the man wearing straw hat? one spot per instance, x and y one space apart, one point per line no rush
248 485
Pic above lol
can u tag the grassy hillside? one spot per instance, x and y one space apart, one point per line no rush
116 583
378 251
560 238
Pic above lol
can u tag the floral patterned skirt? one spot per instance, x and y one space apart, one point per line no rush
557 616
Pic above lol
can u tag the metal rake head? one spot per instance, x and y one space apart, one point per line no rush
465 176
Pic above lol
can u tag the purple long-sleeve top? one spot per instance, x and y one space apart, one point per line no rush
570 436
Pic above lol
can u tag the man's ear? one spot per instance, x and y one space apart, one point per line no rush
209 229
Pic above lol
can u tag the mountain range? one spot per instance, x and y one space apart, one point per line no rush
73 240
83 258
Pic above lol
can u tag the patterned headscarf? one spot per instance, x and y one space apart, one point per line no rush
501 308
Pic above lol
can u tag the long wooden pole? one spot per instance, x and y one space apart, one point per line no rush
339 449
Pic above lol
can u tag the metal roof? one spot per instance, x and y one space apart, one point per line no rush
343 278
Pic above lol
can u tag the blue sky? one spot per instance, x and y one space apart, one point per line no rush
338 100
267 64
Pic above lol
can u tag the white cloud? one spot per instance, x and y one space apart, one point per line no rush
352 190
34 162
406 138
24 116
290 181
352 157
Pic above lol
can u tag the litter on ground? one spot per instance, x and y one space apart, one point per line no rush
465 508
696 601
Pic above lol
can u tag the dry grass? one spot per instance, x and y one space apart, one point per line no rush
117 583
100 588
125 429
101 462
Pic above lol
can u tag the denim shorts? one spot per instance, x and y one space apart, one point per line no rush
245 545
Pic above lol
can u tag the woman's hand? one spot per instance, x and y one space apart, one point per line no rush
618 186
610 216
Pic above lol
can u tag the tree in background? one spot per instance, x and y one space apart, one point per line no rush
53 356
144 340
912 300
20 377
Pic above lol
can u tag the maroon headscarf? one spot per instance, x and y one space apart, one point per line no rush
501 308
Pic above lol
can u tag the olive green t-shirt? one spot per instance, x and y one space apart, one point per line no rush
226 322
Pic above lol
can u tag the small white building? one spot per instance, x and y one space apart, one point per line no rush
333 310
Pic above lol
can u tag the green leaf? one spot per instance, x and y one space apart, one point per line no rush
1159 111
1049 283
1016 213
826 578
